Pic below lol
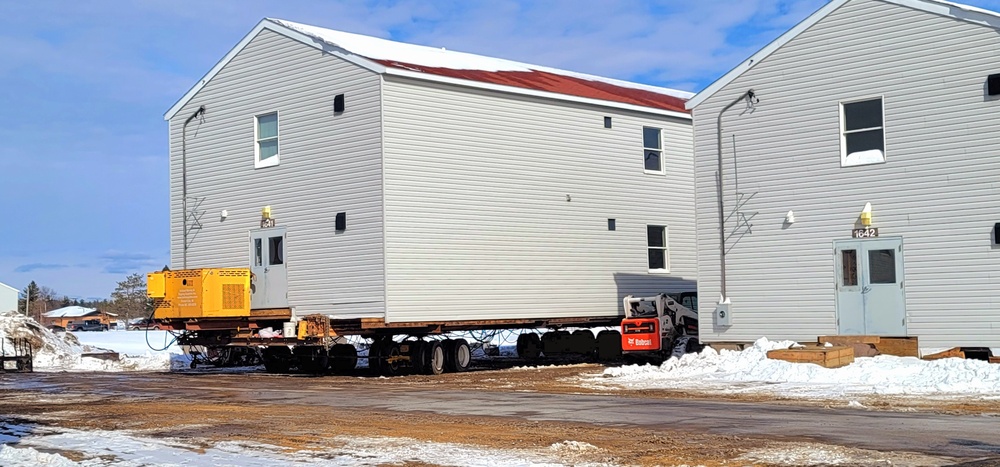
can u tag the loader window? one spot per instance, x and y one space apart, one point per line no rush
658 253
274 250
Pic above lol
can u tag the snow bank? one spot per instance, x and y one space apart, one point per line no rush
751 371
64 352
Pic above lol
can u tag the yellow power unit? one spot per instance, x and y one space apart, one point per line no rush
200 293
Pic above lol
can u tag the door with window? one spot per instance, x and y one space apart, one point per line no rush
269 284
870 287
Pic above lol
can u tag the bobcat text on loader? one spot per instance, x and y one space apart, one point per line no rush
210 310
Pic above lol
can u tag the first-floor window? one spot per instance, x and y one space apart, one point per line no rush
657 249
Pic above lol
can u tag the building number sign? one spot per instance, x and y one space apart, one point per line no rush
864 233
267 223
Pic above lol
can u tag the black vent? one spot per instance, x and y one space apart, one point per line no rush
338 103
993 84
341 222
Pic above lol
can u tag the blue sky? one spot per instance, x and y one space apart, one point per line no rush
83 162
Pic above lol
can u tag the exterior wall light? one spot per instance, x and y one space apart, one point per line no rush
866 215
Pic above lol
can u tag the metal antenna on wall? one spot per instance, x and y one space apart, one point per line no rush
193 217
743 226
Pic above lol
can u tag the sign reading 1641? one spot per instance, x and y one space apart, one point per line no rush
864 233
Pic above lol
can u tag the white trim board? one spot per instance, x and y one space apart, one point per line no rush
9 287
380 69
939 7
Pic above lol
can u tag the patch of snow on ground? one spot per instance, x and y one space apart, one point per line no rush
41 445
64 351
751 371
818 454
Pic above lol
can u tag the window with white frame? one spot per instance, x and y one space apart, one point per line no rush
862 136
657 248
652 144
266 140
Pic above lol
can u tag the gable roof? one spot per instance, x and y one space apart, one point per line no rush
9 287
429 63
944 8
70 312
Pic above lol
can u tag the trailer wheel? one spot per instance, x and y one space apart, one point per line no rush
311 359
391 365
433 358
583 342
418 356
457 355
529 346
277 359
609 345
376 355
343 358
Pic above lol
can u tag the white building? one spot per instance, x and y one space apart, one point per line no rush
8 298
412 183
880 108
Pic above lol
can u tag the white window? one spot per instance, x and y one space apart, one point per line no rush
652 145
862 132
658 249
265 132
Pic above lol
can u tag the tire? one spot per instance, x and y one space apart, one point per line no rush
343 358
390 350
311 359
434 358
418 358
529 346
583 342
277 359
457 355
609 345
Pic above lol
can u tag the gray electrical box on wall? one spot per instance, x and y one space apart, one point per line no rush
723 314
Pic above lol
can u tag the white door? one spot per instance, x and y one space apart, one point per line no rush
269 283
870 287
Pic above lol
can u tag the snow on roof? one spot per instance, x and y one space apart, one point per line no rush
70 312
472 67
941 7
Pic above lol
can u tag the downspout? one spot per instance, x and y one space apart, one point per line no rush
184 181
722 216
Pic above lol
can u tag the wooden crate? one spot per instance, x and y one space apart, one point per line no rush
886 345
828 357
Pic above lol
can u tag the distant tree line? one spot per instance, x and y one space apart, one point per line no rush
128 301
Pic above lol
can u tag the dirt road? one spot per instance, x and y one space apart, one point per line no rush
503 409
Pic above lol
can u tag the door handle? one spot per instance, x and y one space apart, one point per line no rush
864 289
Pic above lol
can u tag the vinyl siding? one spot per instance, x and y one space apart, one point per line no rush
478 225
329 164
937 189
8 298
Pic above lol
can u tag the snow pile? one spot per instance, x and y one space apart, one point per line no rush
751 371
64 352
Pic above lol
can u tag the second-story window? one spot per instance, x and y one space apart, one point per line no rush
652 144
266 136
862 138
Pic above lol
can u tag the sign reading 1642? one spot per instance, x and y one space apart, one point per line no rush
864 233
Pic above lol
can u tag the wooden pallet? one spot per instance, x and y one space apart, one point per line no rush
828 357
898 346
950 353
